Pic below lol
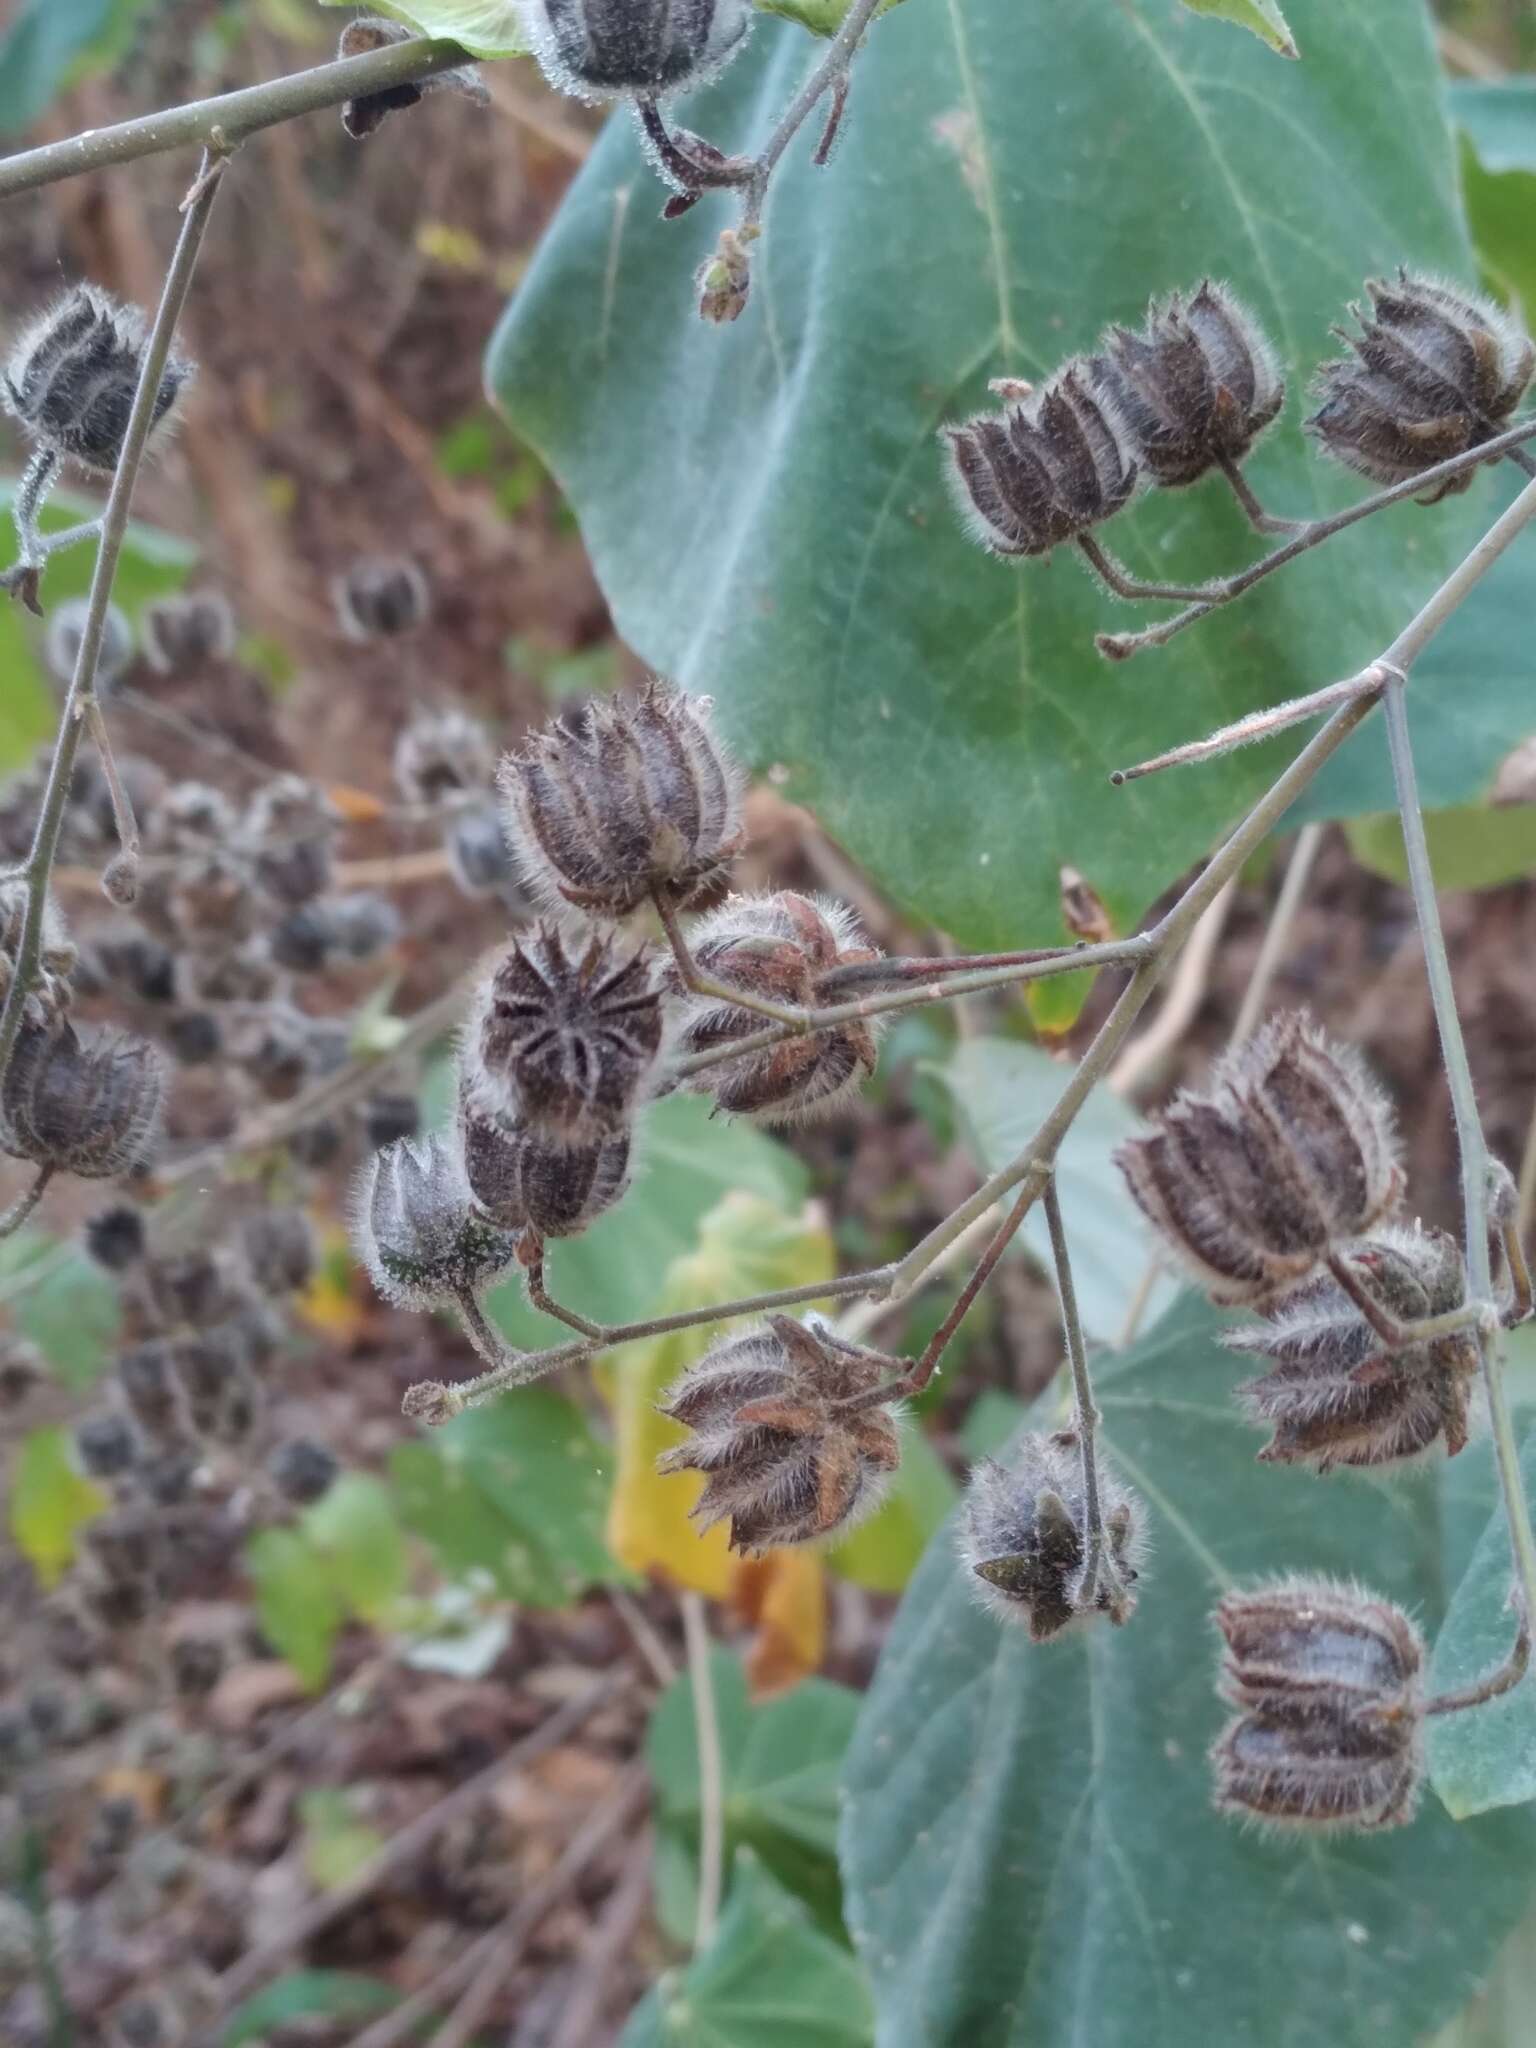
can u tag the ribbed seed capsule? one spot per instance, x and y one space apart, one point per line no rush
598 49
1195 388
416 1227
1435 372
626 798
778 947
523 1182
61 642
784 1463
562 1042
1327 1682
1024 1535
186 633
71 378
84 1106
1289 1152
1043 471
1333 1393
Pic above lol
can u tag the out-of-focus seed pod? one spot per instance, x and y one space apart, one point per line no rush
563 1043
302 1470
362 923
290 827
245 974
106 1446
197 1664
130 961
389 1116
146 1377
306 940
88 1106
21 1371
168 1480
318 1144
279 1246
121 1544
1025 1537
1327 1681
416 1227
1289 1152
197 1287
61 643
380 597
193 1038
624 798
777 947
213 903
71 378
442 754
114 1237
188 632
1045 469
192 817
478 853
785 1462
274 1050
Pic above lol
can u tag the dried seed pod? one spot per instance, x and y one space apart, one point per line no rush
379 597
362 924
604 49
1327 1682
209 1368
524 1182
1195 388
302 1470
625 798
192 817
71 377
317 1144
148 1383
1024 1535
195 1287
89 1106
563 1043
305 942
212 902
777 947
360 117
1045 469
21 1370
168 1479
125 958
114 1237
290 826
193 1038
117 1603
416 1227
245 974
478 853
1333 1393
61 642
279 1247
122 1544
1289 1152
1435 372
442 754
106 1446
389 1116
186 633
784 1461
197 1665
274 1049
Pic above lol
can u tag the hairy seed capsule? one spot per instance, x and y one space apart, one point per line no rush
1024 1535
1435 372
478 853
563 1043
601 49
302 1470
1326 1679
778 947
61 642
380 597
523 1182
360 117
1044 470
85 1106
71 377
416 1227
115 1237
1333 1393
625 798
442 754
187 633
1289 1152
784 1463
1195 388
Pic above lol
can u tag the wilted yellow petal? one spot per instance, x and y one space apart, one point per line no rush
785 1595
331 1302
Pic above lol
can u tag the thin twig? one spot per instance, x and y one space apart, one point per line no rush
706 1725
1187 990
1504 1679
17 1214
114 528
404 1846
829 74
606 1944
698 983
1087 1414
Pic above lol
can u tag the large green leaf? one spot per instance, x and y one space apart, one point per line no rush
687 1161
486 28
1500 117
48 43
765 503
768 1979
1487 1757
1260 17
1029 1850
1005 1089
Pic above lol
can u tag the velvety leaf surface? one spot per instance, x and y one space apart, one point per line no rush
765 503
1028 1847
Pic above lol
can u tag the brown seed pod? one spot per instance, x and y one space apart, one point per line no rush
1045 469
1434 371
1327 1680
89 1106
1333 1394
563 1043
778 947
189 631
1195 388
442 754
1290 1151
624 798
784 1462
1024 1536
523 1182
